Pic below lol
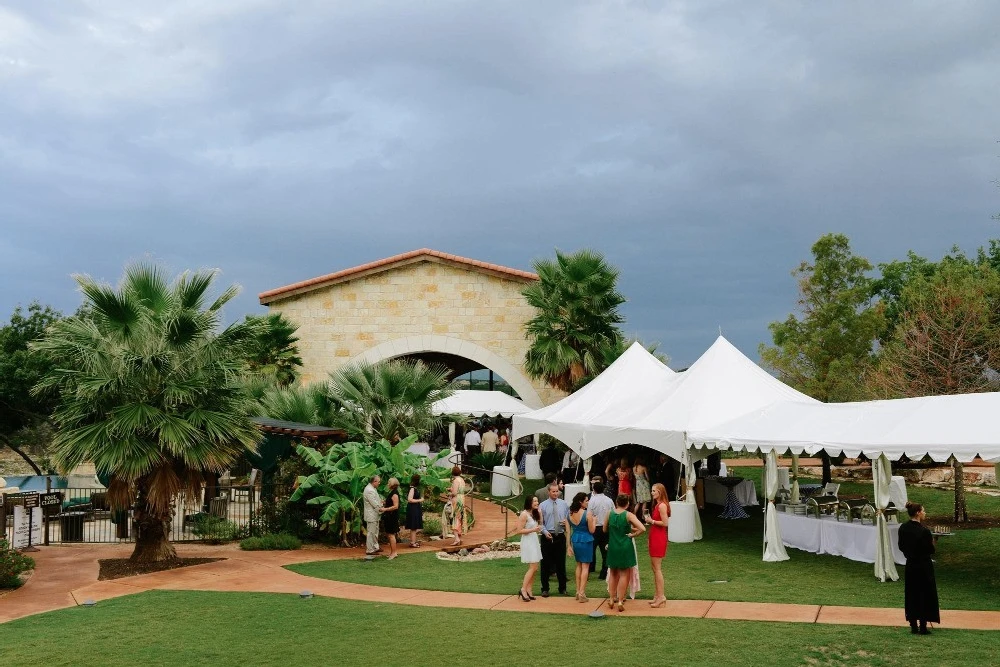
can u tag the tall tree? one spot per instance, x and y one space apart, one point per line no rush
151 391
23 416
576 322
826 350
946 341
274 353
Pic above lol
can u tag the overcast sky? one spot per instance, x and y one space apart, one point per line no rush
702 146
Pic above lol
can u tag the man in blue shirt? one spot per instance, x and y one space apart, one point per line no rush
555 526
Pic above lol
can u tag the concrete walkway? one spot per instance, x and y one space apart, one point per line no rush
66 576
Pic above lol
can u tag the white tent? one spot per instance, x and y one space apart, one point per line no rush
598 416
963 425
474 403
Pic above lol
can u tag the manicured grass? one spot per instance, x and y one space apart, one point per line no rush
731 551
221 629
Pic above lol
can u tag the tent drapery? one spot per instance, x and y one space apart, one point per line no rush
689 497
774 549
795 479
885 566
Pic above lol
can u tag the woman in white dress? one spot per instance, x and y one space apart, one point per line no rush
528 527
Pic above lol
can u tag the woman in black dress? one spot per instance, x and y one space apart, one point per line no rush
920 591
390 516
414 510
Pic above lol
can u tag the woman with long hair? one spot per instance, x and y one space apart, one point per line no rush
642 490
456 494
624 474
414 510
657 522
390 516
623 527
583 525
529 525
919 586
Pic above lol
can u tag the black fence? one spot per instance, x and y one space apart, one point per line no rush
228 513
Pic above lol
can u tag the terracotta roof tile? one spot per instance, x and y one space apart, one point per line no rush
385 264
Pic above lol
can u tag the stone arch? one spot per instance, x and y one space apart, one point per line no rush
463 348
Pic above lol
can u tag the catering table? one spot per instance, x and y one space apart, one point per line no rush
733 508
715 492
570 490
826 535
897 491
682 518
532 470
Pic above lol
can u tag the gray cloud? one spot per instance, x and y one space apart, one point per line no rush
702 146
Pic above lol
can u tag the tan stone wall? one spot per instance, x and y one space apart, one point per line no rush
441 304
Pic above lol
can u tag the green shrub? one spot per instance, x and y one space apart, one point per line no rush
432 525
215 530
278 542
12 563
485 463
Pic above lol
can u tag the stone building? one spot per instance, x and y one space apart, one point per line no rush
424 304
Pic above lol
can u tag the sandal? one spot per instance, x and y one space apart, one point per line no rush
612 602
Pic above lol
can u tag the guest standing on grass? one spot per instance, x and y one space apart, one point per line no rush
372 512
581 521
490 440
390 516
456 494
600 508
624 473
623 527
542 492
920 587
414 510
529 525
657 521
555 525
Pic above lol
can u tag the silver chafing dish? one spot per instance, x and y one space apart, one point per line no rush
851 508
821 505
869 513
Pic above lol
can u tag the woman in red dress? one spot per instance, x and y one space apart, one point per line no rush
657 522
625 478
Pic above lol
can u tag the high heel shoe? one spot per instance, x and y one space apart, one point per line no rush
621 606
612 602
531 597
524 596
656 604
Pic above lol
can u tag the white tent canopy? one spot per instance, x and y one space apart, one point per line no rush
598 416
963 425
474 403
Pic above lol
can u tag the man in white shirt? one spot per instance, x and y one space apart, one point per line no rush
473 441
600 507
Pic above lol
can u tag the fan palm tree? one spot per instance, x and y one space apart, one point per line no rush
389 400
151 392
577 318
275 354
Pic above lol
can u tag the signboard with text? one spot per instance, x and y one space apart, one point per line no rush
27 526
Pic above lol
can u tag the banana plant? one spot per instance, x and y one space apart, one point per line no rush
343 471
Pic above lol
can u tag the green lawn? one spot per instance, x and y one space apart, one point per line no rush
731 551
221 629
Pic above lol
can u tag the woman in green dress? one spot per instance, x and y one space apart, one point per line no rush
622 527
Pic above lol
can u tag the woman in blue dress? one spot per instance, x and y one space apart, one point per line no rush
581 544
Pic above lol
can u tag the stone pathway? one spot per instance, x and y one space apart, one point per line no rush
67 575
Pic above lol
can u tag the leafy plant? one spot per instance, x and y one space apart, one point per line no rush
277 542
215 530
12 564
485 462
343 471
432 525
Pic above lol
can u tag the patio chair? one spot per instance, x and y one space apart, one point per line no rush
831 489
247 488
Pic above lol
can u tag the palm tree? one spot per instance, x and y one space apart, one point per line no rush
275 354
389 400
151 391
577 318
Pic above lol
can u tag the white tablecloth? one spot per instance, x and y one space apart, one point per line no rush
501 484
570 490
826 535
421 448
531 468
897 492
715 493
681 528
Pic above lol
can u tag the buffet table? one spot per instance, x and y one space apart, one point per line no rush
826 535
715 492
